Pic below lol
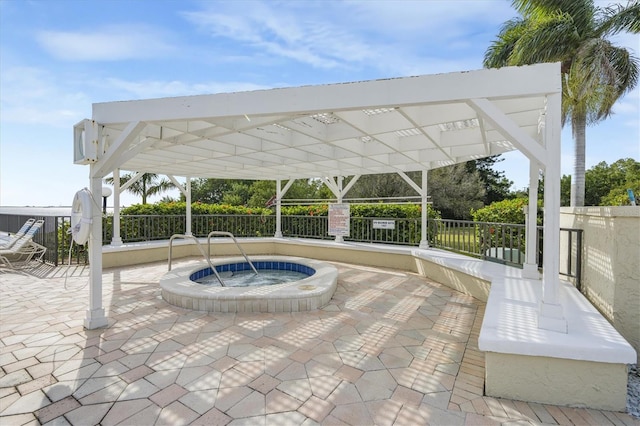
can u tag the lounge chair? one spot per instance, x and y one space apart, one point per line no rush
15 237
24 250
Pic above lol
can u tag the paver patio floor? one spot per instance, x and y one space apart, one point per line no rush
391 348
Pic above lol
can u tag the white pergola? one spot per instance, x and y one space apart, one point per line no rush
334 131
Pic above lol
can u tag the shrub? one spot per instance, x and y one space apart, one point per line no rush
505 211
208 217
180 208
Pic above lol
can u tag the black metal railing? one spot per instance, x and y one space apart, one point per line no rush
505 243
571 245
498 242
53 235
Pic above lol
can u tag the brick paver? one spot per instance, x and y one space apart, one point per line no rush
390 348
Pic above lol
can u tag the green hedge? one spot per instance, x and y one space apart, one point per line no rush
505 211
253 222
180 208
357 210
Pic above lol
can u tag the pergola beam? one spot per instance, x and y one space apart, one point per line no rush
430 89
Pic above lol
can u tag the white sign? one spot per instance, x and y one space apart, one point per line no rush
339 216
384 224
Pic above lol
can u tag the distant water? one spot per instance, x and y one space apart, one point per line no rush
37 211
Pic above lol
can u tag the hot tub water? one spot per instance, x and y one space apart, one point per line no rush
313 287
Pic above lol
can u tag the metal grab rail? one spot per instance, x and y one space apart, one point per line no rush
207 258
230 235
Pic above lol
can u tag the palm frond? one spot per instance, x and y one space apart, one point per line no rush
617 18
550 39
500 50
602 63
581 11
628 68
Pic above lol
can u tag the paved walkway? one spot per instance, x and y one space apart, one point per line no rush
390 348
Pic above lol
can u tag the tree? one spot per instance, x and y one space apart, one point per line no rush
565 190
252 193
595 73
454 190
606 185
211 191
496 185
383 185
149 184
263 191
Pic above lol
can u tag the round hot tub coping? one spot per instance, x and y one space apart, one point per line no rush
310 293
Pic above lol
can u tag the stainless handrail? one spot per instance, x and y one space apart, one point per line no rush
207 258
229 234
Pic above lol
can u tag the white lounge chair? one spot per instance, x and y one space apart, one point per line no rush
6 244
24 250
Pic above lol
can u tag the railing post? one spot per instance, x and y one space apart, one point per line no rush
579 260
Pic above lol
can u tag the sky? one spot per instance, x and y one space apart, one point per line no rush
57 57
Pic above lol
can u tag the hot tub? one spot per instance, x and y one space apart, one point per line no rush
313 291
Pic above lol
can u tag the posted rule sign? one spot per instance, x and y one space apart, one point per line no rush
384 224
339 216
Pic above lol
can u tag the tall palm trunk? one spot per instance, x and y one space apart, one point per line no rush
144 189
579 125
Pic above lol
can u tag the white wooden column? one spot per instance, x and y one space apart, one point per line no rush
278 233
187 196
116 239
550 315
339 195
279 194
530 267
422 190
424 239
95 314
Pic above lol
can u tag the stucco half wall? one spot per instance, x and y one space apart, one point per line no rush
556 381
611 266
433 264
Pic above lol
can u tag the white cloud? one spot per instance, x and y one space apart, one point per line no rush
35 96
111 43
281 31
359 35
434 22
38 96
159 89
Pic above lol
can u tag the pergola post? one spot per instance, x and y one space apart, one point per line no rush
339 195
278 233
116 240
424 239
530 267
187 196
279 194
95 314
550 314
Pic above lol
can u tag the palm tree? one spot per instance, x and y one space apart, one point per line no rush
595 73
149 184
